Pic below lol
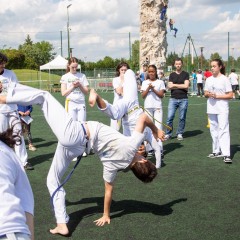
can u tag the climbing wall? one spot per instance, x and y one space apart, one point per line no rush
153 41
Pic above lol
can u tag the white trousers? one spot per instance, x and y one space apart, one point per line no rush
76 110
12 119
122 107
219 129
70 135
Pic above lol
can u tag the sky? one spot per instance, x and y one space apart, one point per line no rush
100 28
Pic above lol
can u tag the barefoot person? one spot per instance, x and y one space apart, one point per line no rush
116 152
127 108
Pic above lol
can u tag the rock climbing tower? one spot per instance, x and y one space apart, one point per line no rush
153 41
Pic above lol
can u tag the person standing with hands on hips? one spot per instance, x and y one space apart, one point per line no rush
178 84
218 90
74 86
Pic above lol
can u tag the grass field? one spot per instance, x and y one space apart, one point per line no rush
192 198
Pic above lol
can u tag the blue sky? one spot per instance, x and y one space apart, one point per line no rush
101 27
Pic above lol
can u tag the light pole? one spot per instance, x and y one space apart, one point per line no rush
232 58
201 49
68 6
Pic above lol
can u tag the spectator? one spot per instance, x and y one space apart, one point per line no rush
74 86
178 84
117 83
143 74
218 90
17 202
25 116
207 74
9 113
233 77
200 84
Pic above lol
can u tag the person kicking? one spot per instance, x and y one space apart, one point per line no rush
116 151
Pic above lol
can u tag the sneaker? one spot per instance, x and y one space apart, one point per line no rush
28 166
74 160
167 137
227 159
215 155
84 154
179 137
150 153
32 148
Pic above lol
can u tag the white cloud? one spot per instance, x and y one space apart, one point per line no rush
101 27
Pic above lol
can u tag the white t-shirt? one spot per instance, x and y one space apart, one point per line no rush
152 100
115 150
6 78
233 77
116 83
76 95
199 78
16 193
220 86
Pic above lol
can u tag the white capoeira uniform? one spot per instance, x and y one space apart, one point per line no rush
128 109
114 150
75 101
16 196
9 115
153 103
116 124
218 112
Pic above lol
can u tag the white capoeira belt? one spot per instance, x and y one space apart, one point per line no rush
132 110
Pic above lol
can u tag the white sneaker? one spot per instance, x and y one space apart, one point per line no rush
179 137
84 154
167 137
227 159
215 155
75 159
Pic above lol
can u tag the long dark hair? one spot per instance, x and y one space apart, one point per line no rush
121 64
220 64
10 137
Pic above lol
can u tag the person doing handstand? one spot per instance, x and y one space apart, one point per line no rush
116 151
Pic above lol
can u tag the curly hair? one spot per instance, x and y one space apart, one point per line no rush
145 172
11 138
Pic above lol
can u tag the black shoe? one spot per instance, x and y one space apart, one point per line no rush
28 166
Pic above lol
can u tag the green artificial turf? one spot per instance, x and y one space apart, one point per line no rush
192 198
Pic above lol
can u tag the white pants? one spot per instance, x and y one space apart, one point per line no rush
70 135
12 119
158 115
122 109
76 110
16 236
219 129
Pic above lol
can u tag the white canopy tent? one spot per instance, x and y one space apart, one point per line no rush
57 63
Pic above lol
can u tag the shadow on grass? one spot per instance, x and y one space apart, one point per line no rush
46 144
193 133
41 158
123 207
234 149
172 146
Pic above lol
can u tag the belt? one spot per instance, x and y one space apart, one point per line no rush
132 110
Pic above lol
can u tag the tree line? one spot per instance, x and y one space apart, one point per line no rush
30 55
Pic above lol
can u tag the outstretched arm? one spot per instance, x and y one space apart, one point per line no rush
145 121
107 204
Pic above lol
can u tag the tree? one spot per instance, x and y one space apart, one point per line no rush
135 55
36 54
16 58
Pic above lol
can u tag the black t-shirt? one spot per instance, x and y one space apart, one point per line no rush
179 79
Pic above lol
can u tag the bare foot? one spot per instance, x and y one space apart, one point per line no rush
92 97
60 229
